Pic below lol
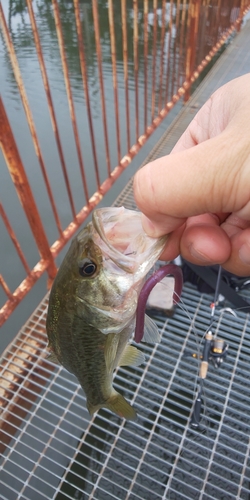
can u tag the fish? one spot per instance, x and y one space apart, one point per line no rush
93 300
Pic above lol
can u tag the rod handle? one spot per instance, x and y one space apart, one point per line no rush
195 419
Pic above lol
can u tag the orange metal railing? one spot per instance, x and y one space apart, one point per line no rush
175 40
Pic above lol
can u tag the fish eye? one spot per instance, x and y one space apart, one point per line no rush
87 268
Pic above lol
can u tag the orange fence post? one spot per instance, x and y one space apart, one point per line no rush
193 23
240 17
24 192
30 121
125 68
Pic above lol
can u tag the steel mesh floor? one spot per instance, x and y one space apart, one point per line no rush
50 449
55 451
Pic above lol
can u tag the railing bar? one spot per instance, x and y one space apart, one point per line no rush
86 86
58 26
22 290
38 270
113 58
24 192
201 31
192 33
14 239
154 58
175 27
6 288
162 44
28 113
48 94
169 58
145 60
135 42
49 99
216 23
182 29
244 5
125 67
99 62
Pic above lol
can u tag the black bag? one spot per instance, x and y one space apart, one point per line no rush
205 278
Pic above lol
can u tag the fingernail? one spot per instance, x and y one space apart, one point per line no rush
148 226
244 254
161 227
198 255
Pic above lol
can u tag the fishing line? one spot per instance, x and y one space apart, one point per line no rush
177 300
213 349
198 341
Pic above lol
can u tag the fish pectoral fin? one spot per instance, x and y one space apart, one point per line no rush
151 332
131 356
110 350
52 357
118 404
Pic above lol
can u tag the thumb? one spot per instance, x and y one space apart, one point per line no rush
207 178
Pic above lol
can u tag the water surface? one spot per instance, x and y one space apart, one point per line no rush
20 29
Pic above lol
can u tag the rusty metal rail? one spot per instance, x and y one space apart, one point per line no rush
171 44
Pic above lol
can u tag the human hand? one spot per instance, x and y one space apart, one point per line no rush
200 193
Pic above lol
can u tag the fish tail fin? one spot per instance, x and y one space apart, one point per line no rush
117 404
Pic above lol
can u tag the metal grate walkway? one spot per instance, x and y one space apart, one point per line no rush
57 452
51 450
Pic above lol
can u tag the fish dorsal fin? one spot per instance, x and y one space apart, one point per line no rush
110 349
151 333
131 356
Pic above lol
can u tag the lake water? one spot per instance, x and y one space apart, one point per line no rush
17 18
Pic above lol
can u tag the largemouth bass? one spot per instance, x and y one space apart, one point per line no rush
93 300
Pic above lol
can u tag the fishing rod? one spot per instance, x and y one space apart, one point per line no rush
214 350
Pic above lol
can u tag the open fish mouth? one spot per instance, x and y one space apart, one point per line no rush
127 254
121 238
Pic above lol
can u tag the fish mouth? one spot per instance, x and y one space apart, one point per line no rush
120 236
